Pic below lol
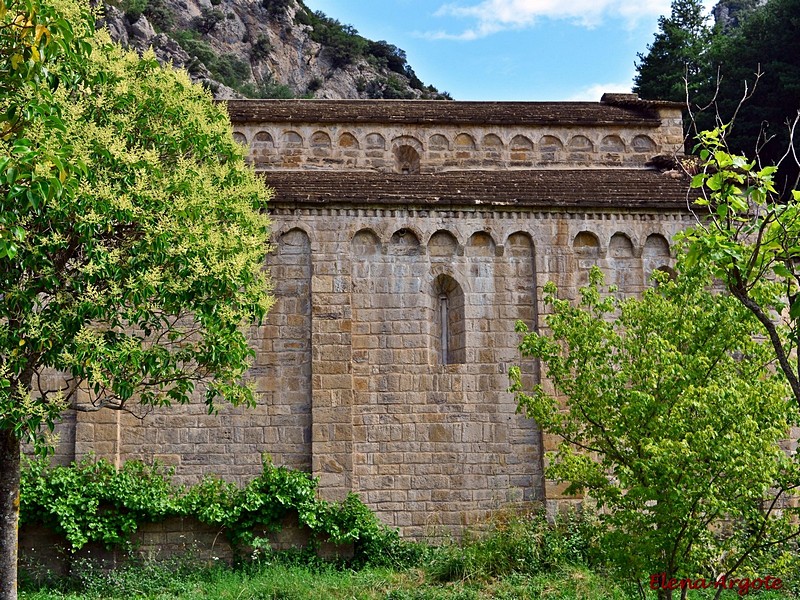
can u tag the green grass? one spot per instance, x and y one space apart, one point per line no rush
278 582
296 582
515 558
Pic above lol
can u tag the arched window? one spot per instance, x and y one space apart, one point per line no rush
449 337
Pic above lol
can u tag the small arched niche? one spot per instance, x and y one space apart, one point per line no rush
492 142
262 148
320 140
612 143
449 331
438 143
442 244
239 138
580 143
625 272
365 243
586 245
292 139
294 241
481 244
404 242
519 245
655 255
643 143
375 141
521 149
620 246
656 246
264 139
521 143
550 143
348 141
406 160
550 149
464 142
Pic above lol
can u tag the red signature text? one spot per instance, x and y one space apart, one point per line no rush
742 586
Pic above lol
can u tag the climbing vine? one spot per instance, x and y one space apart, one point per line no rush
92 501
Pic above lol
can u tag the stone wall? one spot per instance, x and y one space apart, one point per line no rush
383 366
407 149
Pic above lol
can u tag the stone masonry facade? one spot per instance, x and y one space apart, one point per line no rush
409 237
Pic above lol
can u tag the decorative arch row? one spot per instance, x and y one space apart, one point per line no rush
441 143
620 245
443 243
404 153
631 265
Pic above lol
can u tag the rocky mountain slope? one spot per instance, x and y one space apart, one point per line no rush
266 49
728 13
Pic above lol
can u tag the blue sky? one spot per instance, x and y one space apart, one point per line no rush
511 49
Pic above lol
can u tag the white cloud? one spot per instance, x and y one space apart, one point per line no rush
492 16
594 92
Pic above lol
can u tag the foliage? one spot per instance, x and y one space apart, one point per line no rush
387 55
261 48
517 543
267 88
676 55
133 237
158 12
229 69
33 38
142 243
671 423
767 41
749 238
208 19
756 56
275 7
344 45
94 502
342 42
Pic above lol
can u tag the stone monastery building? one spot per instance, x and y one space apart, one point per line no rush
409 237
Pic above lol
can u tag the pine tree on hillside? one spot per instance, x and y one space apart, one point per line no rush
676 54
767 40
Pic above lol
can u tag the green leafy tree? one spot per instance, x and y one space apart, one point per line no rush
676 55
670 417
32 38
138 243
749 238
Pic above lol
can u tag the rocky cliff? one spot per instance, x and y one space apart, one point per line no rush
266 49
728 13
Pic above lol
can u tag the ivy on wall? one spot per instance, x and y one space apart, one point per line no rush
93 501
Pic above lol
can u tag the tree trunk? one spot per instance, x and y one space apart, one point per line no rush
9 513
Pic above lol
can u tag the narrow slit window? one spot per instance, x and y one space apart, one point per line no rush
449 339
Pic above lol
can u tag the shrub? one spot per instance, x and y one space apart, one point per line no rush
160 15
261 48
208 19
94 502
275 7
133 9
515 543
